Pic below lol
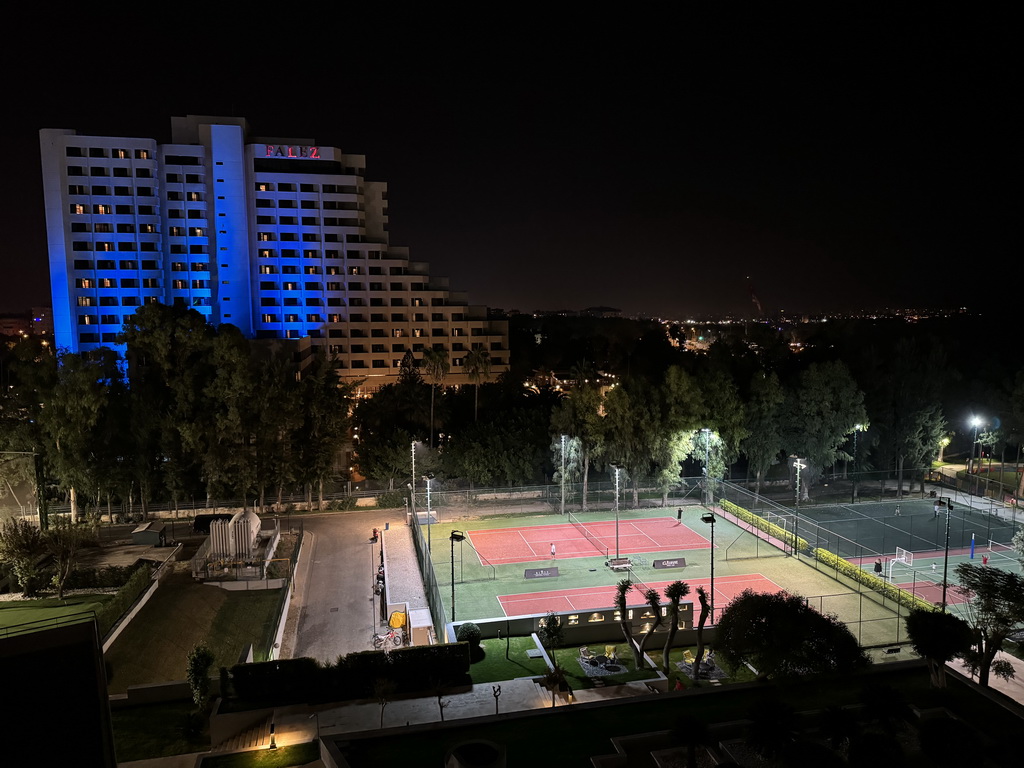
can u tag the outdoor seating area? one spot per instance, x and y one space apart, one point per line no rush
600 664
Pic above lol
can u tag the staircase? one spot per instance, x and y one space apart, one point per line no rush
255 737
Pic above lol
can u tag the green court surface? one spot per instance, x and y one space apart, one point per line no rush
491 565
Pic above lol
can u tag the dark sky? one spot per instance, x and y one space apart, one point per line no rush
656 164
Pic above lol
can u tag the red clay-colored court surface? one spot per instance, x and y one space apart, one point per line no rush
595 598
933 592
525 545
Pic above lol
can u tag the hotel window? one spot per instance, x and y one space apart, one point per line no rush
268 285
120 154
334 287
265 237
109 319
262 186
262 202
83 264
312 270
150 282
313 301
290 286
73 152
77 209
97 190
107 282
268 269
289 237
149 264
102 209
79 245
289 220
148 300
286 187
80 226
200 266
310 237
133 301
291 318
288 270
129 264
176 231
268 302
175 213
309 204
86 301
311 254
77 189
334 318
285 203
197 248
126 245
76 170
265 220
314 287
194 178
144 210
122 173
147 229
268 318
292 335
142 154
197 232
179 284
124 210
85 282
126 229
195 213
87 319
197 284
314 319
194 197
108 301
265 253
310 221
178 266
121 191
97 171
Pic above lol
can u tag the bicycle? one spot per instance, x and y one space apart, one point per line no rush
379 640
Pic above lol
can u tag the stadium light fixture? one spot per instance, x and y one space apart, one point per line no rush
616 466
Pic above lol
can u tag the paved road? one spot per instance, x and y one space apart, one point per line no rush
334 601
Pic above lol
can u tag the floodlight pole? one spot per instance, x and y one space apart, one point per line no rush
428 478
709 498
709 518
945 561
563 473
798 465
616 467
455 536
412 451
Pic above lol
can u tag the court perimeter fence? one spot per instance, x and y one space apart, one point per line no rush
770 531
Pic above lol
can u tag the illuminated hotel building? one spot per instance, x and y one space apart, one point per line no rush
283 238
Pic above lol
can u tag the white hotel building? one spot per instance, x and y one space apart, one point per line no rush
283 238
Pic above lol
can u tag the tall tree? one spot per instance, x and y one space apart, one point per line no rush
63 541
323 427
21 544
621 590
763 443
820 412
578 415
995 610
675 592
781 636
436 366
938 637
477 364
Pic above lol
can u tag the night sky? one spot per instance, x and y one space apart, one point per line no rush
664 165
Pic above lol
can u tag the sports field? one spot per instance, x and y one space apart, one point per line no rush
503 566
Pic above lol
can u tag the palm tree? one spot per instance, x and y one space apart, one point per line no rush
674 592
478 367
627 632
436 365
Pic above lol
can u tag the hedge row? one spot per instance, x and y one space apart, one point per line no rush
355 676
126 596
100 578
832 560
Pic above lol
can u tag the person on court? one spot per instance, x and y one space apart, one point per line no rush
552 550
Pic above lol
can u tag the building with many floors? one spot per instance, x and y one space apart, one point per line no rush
283 238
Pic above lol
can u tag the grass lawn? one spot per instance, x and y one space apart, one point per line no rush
494 667
739 674
155 731
283 757
13 612
180 614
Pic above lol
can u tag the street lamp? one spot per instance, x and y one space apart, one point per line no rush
856 429
616 467
798 465
412 485
428 477
709 518
975 422
564 438
455 536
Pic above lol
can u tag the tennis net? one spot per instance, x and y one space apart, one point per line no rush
596 542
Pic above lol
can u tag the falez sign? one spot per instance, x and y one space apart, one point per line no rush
292 150
678 562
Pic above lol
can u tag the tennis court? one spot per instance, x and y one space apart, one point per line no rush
596 598
606 538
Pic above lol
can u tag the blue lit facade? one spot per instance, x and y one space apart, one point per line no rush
284 239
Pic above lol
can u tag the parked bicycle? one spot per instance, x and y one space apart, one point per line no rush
392 635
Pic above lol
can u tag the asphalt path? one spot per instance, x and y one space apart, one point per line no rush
334 590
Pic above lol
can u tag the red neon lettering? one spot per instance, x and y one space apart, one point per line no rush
291 152
314 152
270 149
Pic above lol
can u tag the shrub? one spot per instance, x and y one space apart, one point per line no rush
391 500
469 633
197 672
112 610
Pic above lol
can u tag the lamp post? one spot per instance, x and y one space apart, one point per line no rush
798 465
945 561
616 467
455 536
856 429
564 438
709 518
975 422
412 485
428 477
